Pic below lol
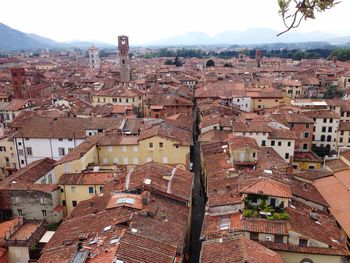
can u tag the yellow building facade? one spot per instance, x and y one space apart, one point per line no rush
156 148
8 157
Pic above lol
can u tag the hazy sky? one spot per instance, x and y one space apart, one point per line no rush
148 20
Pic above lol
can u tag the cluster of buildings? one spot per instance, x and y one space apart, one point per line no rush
98 159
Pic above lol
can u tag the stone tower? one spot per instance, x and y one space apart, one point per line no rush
258 54
19 85
94 59
123 47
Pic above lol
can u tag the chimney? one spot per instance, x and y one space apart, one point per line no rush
145 197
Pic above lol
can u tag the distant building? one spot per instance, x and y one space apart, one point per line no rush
18 82
94 59
123 47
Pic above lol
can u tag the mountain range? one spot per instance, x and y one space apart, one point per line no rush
12 39
249 37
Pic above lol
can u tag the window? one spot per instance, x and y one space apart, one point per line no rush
91 189
20 212
279 143
329 138
29 151
49 178
307 126
278 239
19 143
323 129
22 161
74 203
60 139
61 151
110 148
286 156
305 146
224 223
254 155
126 100
161 145
101 189
64 203
165 159
323 138
289 144
263 143
341 132
329 129
324 120
70 149
306 135
43 181
292 125
70 139
126 160
72 189
62 190
135 148
340 139
124 148
330 120
135 160
302 242
254 236
42 200
116 160
150 145
44 213
272 143
312 167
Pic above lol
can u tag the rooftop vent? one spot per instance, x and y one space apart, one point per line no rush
147 181
134 230
107 228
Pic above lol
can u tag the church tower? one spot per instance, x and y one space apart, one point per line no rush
94 59
123 47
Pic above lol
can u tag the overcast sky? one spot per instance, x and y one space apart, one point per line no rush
148 20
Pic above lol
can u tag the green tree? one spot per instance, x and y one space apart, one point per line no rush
299 55
304 9
178 62
210 63
333 92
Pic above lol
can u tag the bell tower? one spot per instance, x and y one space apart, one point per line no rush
123 47
94 59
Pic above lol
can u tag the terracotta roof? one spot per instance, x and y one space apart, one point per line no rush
336 165
119 91
85 178
135 248
237 249
265 186
238 142
322 114
165 130
336 191
42 127
32 172
162 178
302 223
79 151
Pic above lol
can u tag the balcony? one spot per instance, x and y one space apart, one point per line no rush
256 206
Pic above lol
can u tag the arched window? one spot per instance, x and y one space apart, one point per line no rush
329 138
